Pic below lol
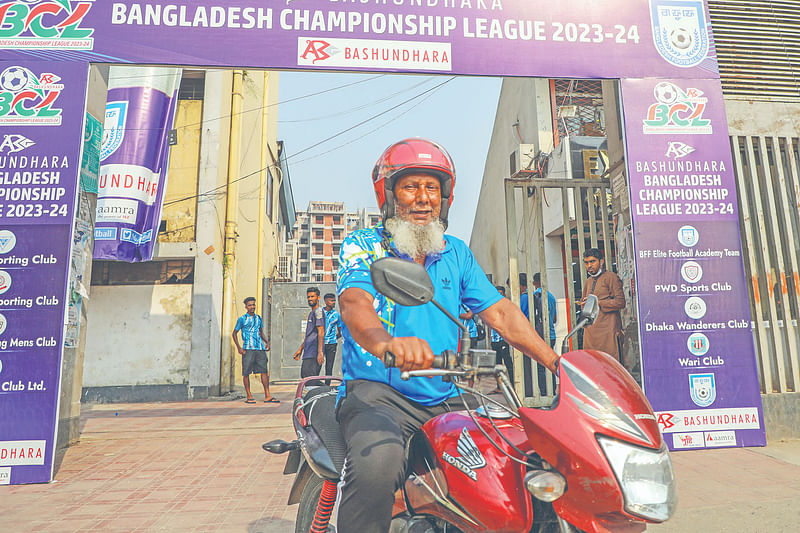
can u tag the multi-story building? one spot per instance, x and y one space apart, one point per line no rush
318 235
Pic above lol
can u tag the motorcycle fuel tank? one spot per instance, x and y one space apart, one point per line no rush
456 474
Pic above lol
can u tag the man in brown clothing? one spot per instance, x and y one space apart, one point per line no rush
605 334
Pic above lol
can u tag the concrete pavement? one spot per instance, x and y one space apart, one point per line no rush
198 466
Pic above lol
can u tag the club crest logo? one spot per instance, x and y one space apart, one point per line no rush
3 324
698 344
695 307
113 128
676 110
7 241
702 389
5 281
691 272
680 32
469 458
688 236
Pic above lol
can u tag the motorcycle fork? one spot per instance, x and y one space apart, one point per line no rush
327 499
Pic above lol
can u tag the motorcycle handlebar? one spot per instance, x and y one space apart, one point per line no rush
444 360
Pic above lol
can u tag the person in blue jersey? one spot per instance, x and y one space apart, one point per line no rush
378 412
332 333
253 349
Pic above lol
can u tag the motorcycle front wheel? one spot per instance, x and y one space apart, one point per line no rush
308 505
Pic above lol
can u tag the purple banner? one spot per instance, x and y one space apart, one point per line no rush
698 358
609 39
139 110
39 168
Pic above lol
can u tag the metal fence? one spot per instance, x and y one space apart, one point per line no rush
768 179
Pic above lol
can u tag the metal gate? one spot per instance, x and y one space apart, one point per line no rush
550 223
288 312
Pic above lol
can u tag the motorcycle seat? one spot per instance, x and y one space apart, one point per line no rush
320 410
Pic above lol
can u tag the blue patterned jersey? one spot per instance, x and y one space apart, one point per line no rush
457 279
250 326
331 325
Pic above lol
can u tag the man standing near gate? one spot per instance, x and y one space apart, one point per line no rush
605 334
332 333
253 349
312 346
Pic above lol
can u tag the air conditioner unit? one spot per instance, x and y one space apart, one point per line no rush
522 158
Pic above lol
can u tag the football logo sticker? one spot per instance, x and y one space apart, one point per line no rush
680 32
5 281
702 389
3 323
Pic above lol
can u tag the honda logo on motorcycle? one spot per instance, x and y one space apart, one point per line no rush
470 457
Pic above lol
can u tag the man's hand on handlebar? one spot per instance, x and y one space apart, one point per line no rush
410 353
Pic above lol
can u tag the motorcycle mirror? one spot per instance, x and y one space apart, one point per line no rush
590 309
405 282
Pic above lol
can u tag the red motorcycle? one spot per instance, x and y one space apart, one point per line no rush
594 461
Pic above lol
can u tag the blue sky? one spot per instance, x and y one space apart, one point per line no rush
459 114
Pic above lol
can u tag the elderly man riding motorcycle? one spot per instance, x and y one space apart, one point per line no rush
378 411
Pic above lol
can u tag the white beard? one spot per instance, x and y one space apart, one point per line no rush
415 240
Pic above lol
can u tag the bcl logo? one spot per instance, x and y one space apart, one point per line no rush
45 24
28 99
677 111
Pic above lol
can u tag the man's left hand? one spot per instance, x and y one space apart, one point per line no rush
320 359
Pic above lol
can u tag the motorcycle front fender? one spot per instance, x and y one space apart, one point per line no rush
292 461
304 473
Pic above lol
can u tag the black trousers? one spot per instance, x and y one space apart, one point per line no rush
330 357
309 367
376 422
527 366
504 356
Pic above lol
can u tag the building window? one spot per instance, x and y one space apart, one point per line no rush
319 219
318 250
319 234
318 265
337 235
303 241
304 268
337 219
303 254
268 187
180 271
336 249
336 264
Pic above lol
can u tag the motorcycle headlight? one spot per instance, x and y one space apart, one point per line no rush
645 476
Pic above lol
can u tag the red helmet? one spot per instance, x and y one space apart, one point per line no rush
413 155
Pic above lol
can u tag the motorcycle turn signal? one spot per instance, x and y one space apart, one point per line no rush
545 485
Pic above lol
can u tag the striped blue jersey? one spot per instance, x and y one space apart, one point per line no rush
250 326
331 326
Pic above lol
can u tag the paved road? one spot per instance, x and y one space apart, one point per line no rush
198 466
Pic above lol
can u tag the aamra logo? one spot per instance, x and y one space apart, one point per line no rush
702 389
27 99
113 128
44 24
316 48
676 111
698 344
680 32
13 143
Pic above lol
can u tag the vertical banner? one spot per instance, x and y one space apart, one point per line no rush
698 357
133 161
41 128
